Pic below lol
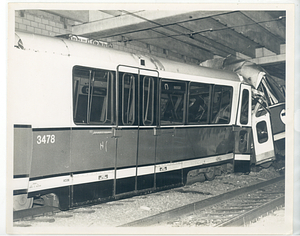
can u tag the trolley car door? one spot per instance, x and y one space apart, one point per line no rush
262 136
135 134
243 131
127 131
148 80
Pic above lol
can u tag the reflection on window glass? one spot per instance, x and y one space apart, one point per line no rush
221 104
128 99
198 103
148 100
172 102
245 107
262 132
93 91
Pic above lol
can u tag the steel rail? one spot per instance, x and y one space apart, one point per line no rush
36 211
247 217
167 215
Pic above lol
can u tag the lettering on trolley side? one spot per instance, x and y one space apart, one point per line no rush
103 146
45 139
34 185
103 177
163 168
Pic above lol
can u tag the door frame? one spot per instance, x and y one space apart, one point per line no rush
140 169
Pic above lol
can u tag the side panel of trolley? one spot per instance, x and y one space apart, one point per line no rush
180 149
126 160
170 150
88 163
278 120
93 153
40 100
51 164
209 141
146 158
22 159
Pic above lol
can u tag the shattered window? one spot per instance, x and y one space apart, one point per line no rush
172 102
198 103
221 104
272 92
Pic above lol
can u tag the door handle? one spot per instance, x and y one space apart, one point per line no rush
101 132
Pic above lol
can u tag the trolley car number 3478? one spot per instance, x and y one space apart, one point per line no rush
45 139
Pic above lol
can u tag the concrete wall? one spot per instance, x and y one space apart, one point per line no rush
45 23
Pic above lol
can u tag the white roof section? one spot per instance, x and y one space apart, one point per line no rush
66 47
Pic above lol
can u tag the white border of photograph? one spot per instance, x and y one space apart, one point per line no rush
222 5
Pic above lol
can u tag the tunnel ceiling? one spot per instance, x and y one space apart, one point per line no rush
203 35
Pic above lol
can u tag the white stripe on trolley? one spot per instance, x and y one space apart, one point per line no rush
20 183
279 136
93 177
145 170
242 157
48 183
207 160
125 173
168 167
270 155
67 180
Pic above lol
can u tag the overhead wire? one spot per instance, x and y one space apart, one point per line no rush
190 34
158 25
193 33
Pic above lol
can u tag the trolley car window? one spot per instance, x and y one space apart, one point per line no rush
262 131
128 99
245 107
221 104
93 96
198 103
172 101
148 100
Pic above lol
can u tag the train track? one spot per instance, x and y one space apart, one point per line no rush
234 208
242 204
35 211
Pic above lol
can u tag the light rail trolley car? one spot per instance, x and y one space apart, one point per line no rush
93 124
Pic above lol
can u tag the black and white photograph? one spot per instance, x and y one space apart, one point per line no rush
150 118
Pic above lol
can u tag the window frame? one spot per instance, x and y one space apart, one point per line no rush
184 101
242 115
152 94
109 98
133 99
208 105
220 103
260 139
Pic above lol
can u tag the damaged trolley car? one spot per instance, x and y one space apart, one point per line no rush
93 124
